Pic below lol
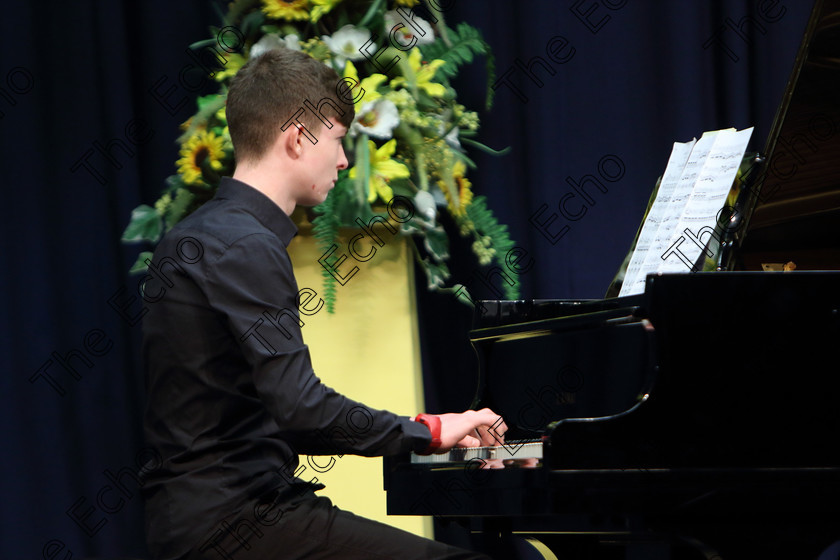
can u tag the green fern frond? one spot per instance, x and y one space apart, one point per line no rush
325 230
486 225
465 42
490 68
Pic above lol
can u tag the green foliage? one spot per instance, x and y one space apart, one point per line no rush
325 230
140 264
181 206
496 236
145 225
437 273
207 107
237 9
251 23
330 217
458 48
436 243
436 247
371 13
430 122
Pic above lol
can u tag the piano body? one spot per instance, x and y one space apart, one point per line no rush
699 419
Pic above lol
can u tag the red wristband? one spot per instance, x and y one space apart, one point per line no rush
433 423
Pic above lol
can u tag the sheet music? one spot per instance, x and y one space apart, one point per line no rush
707 199
685 220
676 163
675 208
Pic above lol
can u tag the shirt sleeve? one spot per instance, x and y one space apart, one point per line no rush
252 283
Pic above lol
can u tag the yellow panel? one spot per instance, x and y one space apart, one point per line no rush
369 350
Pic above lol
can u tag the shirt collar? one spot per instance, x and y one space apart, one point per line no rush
258 204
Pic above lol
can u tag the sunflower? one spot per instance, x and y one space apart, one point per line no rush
463 188
202 148
286 9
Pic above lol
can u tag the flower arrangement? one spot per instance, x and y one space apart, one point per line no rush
408 139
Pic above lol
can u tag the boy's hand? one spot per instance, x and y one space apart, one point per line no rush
472 428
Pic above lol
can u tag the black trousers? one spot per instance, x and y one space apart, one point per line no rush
314 529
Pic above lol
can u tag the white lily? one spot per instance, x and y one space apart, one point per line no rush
377 119
452 138
425 204
271 41
413 32
292 41
346 42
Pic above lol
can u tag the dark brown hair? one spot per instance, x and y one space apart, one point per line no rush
271 89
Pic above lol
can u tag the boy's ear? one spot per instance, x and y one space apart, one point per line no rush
291 141
295 140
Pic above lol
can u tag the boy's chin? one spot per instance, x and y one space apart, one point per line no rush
313 199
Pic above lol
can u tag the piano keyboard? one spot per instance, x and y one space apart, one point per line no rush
516 450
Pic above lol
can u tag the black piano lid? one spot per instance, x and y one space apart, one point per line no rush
497 313
793 214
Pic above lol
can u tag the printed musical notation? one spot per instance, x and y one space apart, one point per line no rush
692 192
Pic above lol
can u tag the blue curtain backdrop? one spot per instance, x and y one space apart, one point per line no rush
91 94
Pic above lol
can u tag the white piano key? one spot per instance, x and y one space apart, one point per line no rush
512 450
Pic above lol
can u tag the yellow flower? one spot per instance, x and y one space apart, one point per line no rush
233 62
463 189
368 86
407 3
200 147
188 123
221 115
423 74
163 203
322 7
382 170
286 9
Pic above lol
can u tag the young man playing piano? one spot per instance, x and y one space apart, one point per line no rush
232 398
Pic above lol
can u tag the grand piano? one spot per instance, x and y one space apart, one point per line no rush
699 419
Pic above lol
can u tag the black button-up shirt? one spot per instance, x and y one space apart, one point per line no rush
232 398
